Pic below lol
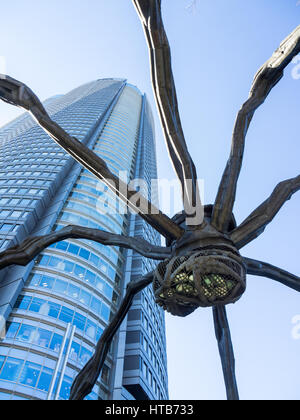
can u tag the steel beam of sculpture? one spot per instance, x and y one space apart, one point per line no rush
201 265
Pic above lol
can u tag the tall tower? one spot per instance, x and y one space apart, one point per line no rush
58 306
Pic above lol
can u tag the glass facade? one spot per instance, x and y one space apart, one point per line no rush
58 306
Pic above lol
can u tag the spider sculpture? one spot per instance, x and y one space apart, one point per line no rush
201 264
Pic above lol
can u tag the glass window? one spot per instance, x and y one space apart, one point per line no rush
85 355
108 291
24 202
23 302
65 388
47 282
91 329
26 333
62 246
79 271
90 277
96 305
133 337
60 286
99 333
12 329
84 254
73 291
69 266
34 280
74 353
85 297
11 369
16 228
4 201
66 315
36 305
54 309
79 321
43 338
100 284
55 262
7 227
14 201
45 379
131 362
105 311
73 249
94 260
4 213
43 260
56 343
30 374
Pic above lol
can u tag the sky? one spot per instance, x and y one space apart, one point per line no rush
217 47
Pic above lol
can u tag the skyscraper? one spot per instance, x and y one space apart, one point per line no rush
58 306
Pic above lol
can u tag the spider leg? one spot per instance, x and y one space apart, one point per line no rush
31 247
255 224
259 268
149 12
18 94
266 78
226 351
87 377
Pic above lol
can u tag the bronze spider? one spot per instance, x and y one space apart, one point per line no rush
201 264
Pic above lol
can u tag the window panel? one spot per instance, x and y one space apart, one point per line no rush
66 315
26 333
12 329
47 282
79 321
43 338
62 246
60 286
36 305
30 374
23 302
45 379
105 311
11 369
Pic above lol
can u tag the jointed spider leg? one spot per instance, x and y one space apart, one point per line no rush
87 377
163 84
226 351
256 223
18 94
31 247
259 268
266 78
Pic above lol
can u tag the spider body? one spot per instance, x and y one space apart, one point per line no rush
205 270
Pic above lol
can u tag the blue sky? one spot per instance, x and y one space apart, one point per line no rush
217 47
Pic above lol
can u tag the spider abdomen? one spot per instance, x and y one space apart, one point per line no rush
200 279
